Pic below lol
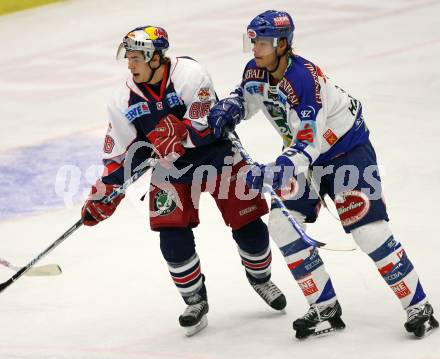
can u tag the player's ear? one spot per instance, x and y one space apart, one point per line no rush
155 59
282 45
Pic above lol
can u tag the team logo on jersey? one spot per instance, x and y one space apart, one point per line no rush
203 94
352 206
136 110
330 137
164 202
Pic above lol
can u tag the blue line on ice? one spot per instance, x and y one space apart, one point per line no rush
28 175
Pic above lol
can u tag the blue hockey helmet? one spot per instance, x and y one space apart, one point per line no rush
272 24
146 39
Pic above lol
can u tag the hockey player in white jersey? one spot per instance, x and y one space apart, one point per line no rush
163 106
323 131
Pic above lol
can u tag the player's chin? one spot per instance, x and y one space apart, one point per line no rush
259 61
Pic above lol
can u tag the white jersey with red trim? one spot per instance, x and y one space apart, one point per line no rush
186 91
135 109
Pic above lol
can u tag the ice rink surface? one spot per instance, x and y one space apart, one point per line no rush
115 299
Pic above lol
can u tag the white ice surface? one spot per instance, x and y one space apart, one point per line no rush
115 298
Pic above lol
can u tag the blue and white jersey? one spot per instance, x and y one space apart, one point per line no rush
315 118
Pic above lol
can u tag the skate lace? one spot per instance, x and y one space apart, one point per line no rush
413 311
312 313
321 312
194 310
268 291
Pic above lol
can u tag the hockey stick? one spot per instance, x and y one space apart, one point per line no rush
44 270
146 165
305 237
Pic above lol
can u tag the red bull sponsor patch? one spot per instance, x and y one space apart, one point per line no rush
203 94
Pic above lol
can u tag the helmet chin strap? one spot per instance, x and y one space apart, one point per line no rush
276 67
278 60
153 71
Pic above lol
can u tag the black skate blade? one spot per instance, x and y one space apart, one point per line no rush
325 332
429 327
321 330
194 329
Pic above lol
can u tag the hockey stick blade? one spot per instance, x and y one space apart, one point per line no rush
346 246
44 270
139 172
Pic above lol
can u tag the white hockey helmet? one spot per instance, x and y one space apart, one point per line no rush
147 39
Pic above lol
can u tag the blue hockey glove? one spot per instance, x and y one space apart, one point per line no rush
285 171
225 115
259 175
277 174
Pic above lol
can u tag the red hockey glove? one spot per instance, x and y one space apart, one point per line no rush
94 210
167 137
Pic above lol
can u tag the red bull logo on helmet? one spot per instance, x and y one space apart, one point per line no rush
155 33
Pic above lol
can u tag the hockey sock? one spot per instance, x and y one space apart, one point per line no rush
393 264
187 276
257 265
178 249
302 260
253 247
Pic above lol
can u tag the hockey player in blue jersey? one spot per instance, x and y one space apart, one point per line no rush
322 127
163 106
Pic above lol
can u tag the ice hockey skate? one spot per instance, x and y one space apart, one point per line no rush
420 319
319 320
194 318
271 294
